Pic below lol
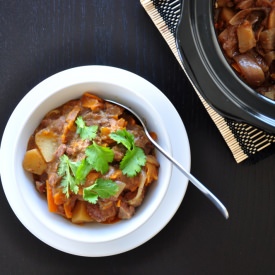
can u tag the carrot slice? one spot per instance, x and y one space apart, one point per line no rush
91 177
59 198
68 205
92 101
51 205
153 135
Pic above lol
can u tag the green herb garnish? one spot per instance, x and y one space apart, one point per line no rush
75 173
124 137
85 132
67 170
134 158
99 157
83 169
103 188
132 161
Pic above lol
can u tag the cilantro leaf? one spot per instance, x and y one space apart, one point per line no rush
83 169
89 195
99 157
134 157
85 132
68 183
103 188
124 137
63 165
132 161
67 170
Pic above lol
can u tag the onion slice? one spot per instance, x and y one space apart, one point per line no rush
250 70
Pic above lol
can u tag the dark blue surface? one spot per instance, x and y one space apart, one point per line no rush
39 38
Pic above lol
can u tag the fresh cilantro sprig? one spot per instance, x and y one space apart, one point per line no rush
124 137
103 188
74 173
134 158
82 171
99 157
85 132
67 170
133 161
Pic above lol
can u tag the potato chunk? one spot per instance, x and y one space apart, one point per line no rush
34 162
80 214
47 143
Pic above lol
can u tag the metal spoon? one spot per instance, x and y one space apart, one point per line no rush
191 178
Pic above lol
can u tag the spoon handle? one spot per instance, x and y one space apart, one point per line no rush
193 180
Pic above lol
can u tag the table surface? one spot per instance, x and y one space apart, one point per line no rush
40 38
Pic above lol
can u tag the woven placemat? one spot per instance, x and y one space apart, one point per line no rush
244 141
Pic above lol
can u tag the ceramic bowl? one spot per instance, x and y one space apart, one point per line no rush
31 208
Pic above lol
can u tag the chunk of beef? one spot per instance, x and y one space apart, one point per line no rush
103 211
125 211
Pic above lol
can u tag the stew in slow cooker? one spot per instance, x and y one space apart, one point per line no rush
246 34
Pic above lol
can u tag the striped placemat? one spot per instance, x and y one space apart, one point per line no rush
244 141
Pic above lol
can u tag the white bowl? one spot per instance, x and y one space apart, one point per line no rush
31 208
